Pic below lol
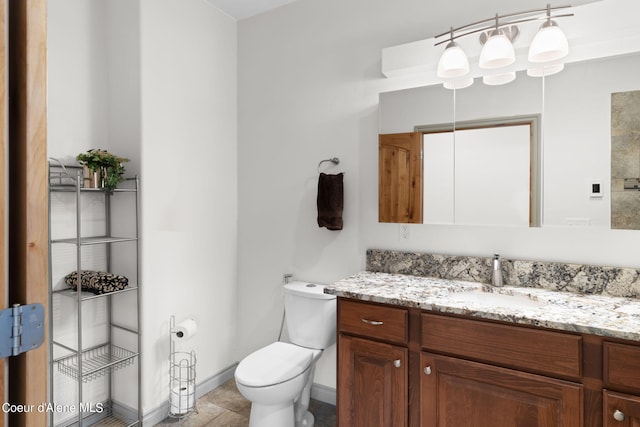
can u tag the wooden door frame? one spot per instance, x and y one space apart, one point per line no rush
3 183
28 194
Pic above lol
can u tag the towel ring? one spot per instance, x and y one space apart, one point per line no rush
333 160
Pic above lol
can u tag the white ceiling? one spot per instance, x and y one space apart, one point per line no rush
241 9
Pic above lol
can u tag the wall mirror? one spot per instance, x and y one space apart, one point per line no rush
576 153
483 172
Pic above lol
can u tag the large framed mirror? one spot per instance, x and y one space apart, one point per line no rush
576 118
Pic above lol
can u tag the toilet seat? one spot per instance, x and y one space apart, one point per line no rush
276 363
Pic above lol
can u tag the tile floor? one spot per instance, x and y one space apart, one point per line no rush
225 407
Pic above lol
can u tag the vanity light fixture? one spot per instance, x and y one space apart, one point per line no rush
453 62
497 34
549 43
499 79
497 51
545 70
459 83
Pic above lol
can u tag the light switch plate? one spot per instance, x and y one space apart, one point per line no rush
596 190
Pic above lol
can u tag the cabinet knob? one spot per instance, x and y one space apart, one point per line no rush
372 322
397 363
427 370
618 415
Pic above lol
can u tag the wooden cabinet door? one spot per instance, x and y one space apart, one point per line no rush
372 383
400 178
460 393
621 410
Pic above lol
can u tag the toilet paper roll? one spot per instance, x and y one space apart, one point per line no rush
186 329
182 399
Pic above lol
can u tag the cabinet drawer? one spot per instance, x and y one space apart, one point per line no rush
532 350
617 405
374 321
621 366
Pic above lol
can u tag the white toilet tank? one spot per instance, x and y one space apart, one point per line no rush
310 314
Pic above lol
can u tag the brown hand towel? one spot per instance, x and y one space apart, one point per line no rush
330 201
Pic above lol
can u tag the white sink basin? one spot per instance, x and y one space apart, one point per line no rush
491 298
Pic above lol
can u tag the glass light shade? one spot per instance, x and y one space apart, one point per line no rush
458 84
453 62
545 70
499 79
549 44
497 51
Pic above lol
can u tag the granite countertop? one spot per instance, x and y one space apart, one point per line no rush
592 314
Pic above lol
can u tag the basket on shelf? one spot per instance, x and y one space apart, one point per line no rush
96 362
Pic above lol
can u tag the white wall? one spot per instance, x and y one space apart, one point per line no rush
189 172
309 78
77 112
155 81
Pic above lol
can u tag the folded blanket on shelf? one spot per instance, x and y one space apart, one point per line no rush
97 282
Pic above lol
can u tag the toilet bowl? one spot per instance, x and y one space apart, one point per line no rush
277 379
274 379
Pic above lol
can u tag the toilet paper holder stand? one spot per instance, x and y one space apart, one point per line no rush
182 378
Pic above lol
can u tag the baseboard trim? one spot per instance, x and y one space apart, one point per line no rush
323 393
160 413
124 411
215 381
318 391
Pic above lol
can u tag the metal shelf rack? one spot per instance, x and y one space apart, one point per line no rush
80 364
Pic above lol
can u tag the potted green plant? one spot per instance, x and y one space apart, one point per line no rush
105 169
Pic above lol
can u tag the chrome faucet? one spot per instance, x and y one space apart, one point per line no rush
496 276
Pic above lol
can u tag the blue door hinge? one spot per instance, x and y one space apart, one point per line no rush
21 329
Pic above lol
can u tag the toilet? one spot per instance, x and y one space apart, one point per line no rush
277 378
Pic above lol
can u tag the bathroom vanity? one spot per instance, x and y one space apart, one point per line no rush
419 351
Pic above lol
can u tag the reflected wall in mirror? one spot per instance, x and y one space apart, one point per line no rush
575 111
625 160
483 173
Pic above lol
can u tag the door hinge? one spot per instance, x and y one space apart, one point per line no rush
21 329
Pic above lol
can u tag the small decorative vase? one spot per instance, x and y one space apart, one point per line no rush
93 179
